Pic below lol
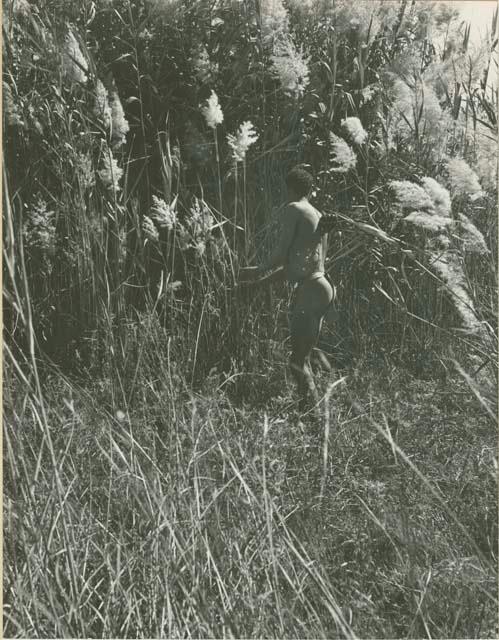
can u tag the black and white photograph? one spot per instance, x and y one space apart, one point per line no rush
250 319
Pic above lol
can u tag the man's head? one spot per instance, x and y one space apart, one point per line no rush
299 183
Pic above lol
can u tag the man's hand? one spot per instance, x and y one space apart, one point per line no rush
327 223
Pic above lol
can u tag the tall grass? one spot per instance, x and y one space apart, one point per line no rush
150 510
99 268
157 479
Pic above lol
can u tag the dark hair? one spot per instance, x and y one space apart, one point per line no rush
300 180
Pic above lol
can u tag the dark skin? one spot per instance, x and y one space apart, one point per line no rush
296 234
299 256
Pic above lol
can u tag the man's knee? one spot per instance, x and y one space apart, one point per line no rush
296 363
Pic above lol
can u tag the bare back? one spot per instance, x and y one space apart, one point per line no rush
307 251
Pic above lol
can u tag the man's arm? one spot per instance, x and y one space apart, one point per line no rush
280 253
276 261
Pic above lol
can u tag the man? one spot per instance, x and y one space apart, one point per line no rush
300 257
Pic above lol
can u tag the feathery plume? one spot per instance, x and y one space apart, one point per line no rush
39 227
111 173
448 267
195 233
200 223
212 112
439 195
119 124
438 243
462 67
486 164
410 197
291 67
418 109
149 230
463 181
433 119
162 214
84 171
182 237
361 17
402 97
355 130
472 238
342 154
487 169
102 110
74 65
201 219
241 142
274 20
433 224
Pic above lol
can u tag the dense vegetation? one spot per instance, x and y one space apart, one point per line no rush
157 479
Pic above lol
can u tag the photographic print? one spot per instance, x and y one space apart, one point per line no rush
250 318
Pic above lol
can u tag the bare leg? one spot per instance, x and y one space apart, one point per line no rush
302 374
305 328
305 320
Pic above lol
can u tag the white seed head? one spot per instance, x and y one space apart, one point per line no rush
291 67
149 230
463 181
439 195
74 65
354 129
342 154
111 173
242 140
410 196
212 111
162 214
119 124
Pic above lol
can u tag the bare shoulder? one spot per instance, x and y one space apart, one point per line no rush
292 207
296 209
303 210
292 212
